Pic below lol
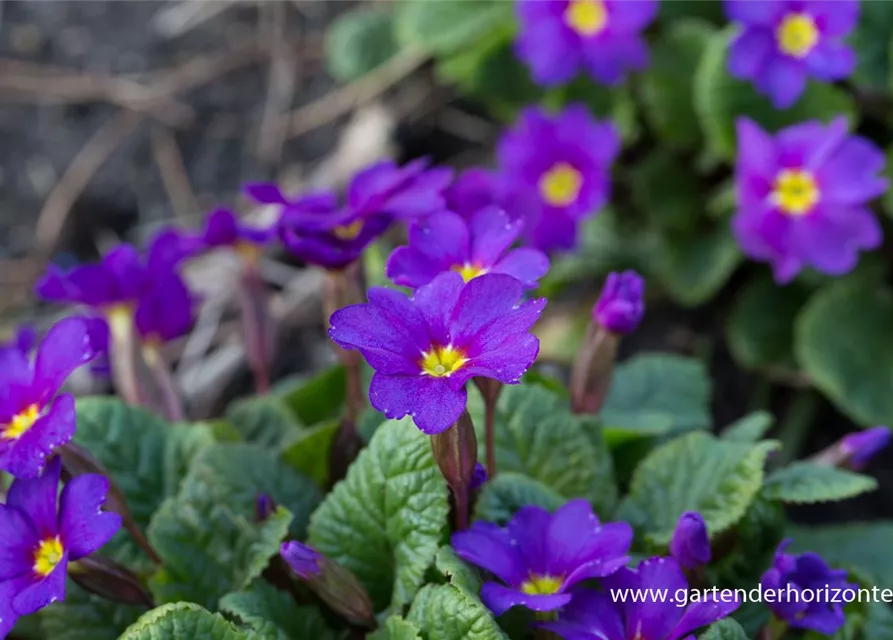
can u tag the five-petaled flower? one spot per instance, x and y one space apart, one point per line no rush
782 42
556 172
801 573
425 348
33 419
42 533
444 241
560 37
540 556
802 196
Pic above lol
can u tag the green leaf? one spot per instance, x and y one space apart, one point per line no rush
83 616
667 86
705 9
316 399
508 492
184 620
871 41
855 373
667 191
695 472
720 100
537 435
445 613
750 428
760 326
725 629
386 520
448 26
358 42
147 456
263 420
805 483
695 268
396 628
309 451
274 615
861 547
652 386
461 575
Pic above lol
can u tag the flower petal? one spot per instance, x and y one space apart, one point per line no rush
29 453
651 618
15 383
849 176
484 300
576 538
44 592
765 12
69 344
507 363
442 238
529 528
526 264
749 52
783 80
831 60
589 615
19 541
500 599
436 301
548 49
492 233
37 499
835 18
84 528
408 267
433 405
489 547
8 617
699 614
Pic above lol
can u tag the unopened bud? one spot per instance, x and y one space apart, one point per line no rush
264 506
855 450
479 477
621 306
335 585
108 579
690 545
455 451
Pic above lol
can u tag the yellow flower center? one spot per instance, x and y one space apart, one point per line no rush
542 585
249 252
797 34
348 231
586 17
468 271
47 555
560 185
20 423
441 362
795 192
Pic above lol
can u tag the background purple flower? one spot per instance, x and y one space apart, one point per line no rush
557 172
426 348
164 311
621 305
802 197
32 423
43 533
690 545
560 37
862 446
473 190
224 229
444 241
806 571
540 556
782 42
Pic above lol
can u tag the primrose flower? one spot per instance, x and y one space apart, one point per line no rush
690 545
802 197
602 37
164 311
597 616
782 42
444 241
557 172
620 307
224 229
42 534
859 448
24 339
33 419
540 556
425 348
473 190
304 560
807 572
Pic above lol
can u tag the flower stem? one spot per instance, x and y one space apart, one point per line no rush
593 370
256 326
124 355
171 404
490 390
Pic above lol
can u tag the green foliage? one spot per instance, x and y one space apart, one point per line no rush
667 192
316 399
386 520
862 548
308 452
396 628
725 629
805 482
459 574
82 616
358 42
446 613
508 492
184 620
873 43
447 26
264 420
750 428
273 614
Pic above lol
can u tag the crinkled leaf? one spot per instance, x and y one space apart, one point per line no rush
308 452
396 628
274 615
315 399
537 435
750 428
694 268
695 472
508 492
725 629
444 612
263 420
862 547
447 26
721 99
358 42
460 574
805 482
184 620
871 41
83 616
386 520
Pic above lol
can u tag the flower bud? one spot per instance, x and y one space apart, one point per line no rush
621 306
455 451
335 585
479 477
110 580
690 545
860 448
264 506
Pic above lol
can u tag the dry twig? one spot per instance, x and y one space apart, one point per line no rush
173 174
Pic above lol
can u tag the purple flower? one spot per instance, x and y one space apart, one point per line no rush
303 560
479 477
602 37
802 197
33 419
782 42
690 545
557 172
862 446
24 339
473 190
540 556
620 306
42 534
164 311
426 348
444 241
224 229
806 572
597 616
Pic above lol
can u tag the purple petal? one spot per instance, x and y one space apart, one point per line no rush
817 241
371 182
652 619
749 53
833 18
548 48
484 300
576 538
849 175
473 190
552 232
831 61
164 311
8 617
489 547
763 12
528 529
388 348
29 453
609 62
756 150
407 267
19 541
783 80
15 383
441 237
44 592
264 192
69 344
433 405
500 599
37 499
690 545
632 16
83 527
127 270
423 196
525 264
492 233
221 228
436 301
700 614
507 363
590 615
511 326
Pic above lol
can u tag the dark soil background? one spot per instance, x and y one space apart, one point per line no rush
70 71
